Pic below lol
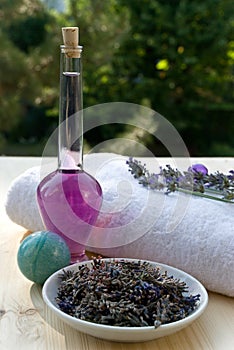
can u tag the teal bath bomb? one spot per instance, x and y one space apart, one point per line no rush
41 254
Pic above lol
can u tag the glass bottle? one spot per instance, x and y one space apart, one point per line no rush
69 198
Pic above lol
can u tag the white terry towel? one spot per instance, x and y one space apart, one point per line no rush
191 233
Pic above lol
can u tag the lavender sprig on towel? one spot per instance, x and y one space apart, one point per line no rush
196 180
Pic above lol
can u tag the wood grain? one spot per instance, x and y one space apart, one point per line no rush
26 323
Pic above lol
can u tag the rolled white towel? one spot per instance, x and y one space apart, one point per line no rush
191 233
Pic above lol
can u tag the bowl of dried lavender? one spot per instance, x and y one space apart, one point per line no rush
126 300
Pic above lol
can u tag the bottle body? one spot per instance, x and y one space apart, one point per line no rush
69 203
70 199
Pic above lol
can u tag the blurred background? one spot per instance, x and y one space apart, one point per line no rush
176 57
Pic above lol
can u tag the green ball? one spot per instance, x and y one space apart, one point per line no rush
41 254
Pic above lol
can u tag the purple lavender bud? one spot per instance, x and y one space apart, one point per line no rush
199 168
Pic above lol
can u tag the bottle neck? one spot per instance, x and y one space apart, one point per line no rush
70 133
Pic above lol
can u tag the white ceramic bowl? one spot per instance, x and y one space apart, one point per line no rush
126 334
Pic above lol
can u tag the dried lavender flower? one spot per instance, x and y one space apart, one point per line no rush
124 293
196 180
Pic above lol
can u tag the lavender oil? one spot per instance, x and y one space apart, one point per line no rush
69 198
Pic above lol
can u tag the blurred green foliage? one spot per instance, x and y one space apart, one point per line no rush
175 57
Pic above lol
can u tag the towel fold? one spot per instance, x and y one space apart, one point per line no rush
191 233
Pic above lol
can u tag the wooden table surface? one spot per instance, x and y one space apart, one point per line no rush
26 323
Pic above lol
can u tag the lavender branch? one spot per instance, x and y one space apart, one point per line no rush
196 181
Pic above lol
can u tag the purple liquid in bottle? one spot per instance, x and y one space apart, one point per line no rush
69 199
69 202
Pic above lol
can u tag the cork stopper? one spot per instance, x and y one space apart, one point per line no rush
70 36
71 42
